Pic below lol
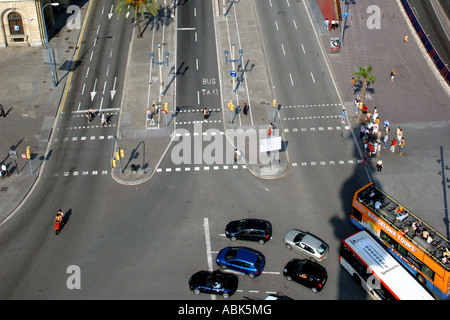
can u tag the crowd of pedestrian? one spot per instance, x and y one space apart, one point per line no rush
374 135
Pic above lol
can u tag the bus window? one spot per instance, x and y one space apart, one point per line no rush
427 271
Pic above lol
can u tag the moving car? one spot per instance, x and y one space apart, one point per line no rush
241 259
307 273
307 244
250 230
216 282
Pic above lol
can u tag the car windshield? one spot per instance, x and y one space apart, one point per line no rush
258 263
240 225
322 248
299 237
210 280
231 254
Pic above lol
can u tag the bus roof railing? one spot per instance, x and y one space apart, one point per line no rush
403 221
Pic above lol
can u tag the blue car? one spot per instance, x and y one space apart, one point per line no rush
241 259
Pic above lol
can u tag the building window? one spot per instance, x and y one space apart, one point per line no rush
15 24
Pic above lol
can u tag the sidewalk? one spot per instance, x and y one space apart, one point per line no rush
31 104
417 101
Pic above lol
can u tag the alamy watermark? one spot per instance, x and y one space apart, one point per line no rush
253 144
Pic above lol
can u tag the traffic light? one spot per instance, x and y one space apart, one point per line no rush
28 152
117 156
230 105
166 107
113 163
274 103
122 153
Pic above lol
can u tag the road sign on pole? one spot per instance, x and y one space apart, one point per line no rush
270 144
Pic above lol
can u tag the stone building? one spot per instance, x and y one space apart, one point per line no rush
21 22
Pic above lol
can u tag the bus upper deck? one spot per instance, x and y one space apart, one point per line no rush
399 220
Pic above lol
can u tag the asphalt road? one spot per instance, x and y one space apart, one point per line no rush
145 241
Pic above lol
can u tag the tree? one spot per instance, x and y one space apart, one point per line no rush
139 7
364 73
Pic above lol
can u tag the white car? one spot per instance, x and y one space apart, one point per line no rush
307 244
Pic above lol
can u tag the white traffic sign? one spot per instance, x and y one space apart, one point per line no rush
270 144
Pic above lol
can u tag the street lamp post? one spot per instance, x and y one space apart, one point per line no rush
233 61
54 4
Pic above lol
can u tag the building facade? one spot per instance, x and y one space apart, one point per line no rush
21 22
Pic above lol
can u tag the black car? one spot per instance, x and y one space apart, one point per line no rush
307 273
216 282
250 230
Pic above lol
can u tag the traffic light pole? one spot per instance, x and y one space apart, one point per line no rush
116 155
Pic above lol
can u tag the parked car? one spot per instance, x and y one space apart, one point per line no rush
307 273
216 282
307 244
241 259
250 230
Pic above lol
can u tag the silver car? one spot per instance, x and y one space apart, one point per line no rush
307 244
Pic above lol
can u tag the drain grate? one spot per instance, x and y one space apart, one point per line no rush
3 189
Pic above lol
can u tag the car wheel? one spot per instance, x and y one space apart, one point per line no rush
225 295
313 260
233 238
288 246
289 278
196 291
251 275
223 267
261 241
314 290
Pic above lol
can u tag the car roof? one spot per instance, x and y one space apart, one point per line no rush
256 224
313 269
247 255
312 240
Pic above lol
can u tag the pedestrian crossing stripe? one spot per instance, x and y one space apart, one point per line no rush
311 117
243 166
287 130
80 173
313 105
85 138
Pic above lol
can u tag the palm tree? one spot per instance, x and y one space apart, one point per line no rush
139 6
364 73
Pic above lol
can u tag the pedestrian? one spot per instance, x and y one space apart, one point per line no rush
343 116
356 105
362 132
405 38
380 164
327 24
401 146
392 75
103 119
399 134
393 144
371 149
363 161
88 116
366 144
205 114
4 171
386 139
245 108
333 24
2 111
237 155
375 114
352 84
270 132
